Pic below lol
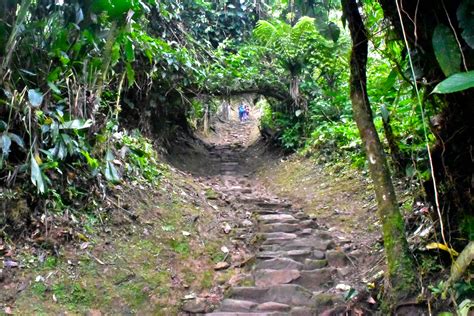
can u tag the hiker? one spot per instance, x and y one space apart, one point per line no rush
247 112
241 112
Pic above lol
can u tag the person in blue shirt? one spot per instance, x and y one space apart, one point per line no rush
241 112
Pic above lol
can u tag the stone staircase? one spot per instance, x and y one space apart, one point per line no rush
296 263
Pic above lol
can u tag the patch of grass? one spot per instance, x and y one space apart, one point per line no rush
74 295
135 294
207 280
38 289
51 262
211 194
180 246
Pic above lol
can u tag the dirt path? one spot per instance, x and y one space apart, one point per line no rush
296 266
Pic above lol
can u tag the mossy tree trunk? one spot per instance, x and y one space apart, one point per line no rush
401 273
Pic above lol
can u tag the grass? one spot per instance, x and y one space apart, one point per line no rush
146 266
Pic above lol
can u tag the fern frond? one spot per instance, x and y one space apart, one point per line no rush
265 31
305 25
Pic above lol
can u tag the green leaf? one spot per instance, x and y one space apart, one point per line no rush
35 98
457 82
76 124
390 81
5 144
446 50
129 50
110 172
465 14
37 175
17 139
54 87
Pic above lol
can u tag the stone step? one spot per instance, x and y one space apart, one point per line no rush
303 243
232 305
248 314
277 218
289 294
274 205
280 264
298 255
267 277
317 279
286 227
277 238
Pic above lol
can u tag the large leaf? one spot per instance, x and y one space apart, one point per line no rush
457 82
446 50
17 139
129 50
465 14
37 175
5 143
76 124
35 98
110 172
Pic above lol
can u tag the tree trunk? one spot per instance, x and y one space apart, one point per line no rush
401 271
399 161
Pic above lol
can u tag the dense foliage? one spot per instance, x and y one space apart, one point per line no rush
81 82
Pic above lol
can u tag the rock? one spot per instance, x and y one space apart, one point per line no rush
280 264
299 254
302 311
248 293
266 278
312 264
231 305
221 265
94 312
326 300
273 307
318 254
306 232
247 223
315 279
195 306
312 242
278 238
290 294
337 258
277 218
279 227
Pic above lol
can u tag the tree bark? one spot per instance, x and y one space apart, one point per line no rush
401 272
399 162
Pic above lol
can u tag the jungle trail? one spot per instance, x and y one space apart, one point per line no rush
131 183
